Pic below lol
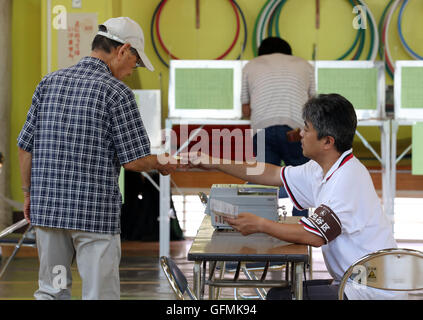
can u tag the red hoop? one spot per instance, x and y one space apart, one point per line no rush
176 58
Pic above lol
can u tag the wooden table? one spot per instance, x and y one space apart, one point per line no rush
214 246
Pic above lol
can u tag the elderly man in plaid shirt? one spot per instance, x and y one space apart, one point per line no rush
82 126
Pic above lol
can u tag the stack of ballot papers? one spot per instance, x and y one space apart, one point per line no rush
223 209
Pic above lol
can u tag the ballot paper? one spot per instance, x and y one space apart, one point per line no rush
223 209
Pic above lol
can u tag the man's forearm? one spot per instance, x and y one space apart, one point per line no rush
144 164
255 172
163 163
239 171
293 233
25 163
258 173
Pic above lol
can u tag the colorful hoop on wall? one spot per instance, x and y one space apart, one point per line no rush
269 16
407 48
155 25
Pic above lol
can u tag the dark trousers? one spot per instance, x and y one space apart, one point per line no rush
312 290
278 149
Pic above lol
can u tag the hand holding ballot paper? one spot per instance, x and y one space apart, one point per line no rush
227 213
223 209
229 202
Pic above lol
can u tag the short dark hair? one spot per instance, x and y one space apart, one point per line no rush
102 43
274 45
332 115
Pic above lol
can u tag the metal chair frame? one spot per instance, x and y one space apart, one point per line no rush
175 285
23 241
249 273
391 278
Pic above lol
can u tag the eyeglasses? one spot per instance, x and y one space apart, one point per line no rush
139 62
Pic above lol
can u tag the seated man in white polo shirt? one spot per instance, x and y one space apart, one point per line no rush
348 221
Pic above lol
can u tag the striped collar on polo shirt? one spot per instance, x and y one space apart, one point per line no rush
344 158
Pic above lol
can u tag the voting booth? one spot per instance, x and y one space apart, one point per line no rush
363 84
408 100
204 96
205 99
205 89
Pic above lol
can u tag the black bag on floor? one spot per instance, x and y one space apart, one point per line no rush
141 210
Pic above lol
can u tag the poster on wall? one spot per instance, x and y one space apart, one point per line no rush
74 42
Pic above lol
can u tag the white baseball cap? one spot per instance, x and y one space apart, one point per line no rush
126 30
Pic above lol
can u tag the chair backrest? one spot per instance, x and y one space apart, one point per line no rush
177 280
394 269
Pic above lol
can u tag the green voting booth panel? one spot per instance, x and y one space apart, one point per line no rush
417 147
359 86
205 89
412 88
408 102
361 82
408 90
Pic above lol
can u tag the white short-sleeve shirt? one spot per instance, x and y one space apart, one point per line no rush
347 189
276 86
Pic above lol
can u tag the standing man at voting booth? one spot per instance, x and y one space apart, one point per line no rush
348 222
82 126
275 86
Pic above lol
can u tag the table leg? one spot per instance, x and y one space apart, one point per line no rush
203 280
393 174
222 265
197 279
297 281
212 268
385 146
164 235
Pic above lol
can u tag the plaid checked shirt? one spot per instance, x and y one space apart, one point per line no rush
83 124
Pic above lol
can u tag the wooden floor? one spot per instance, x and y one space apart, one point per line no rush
140 274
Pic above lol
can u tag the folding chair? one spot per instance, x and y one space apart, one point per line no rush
388 269
177 280
26 240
